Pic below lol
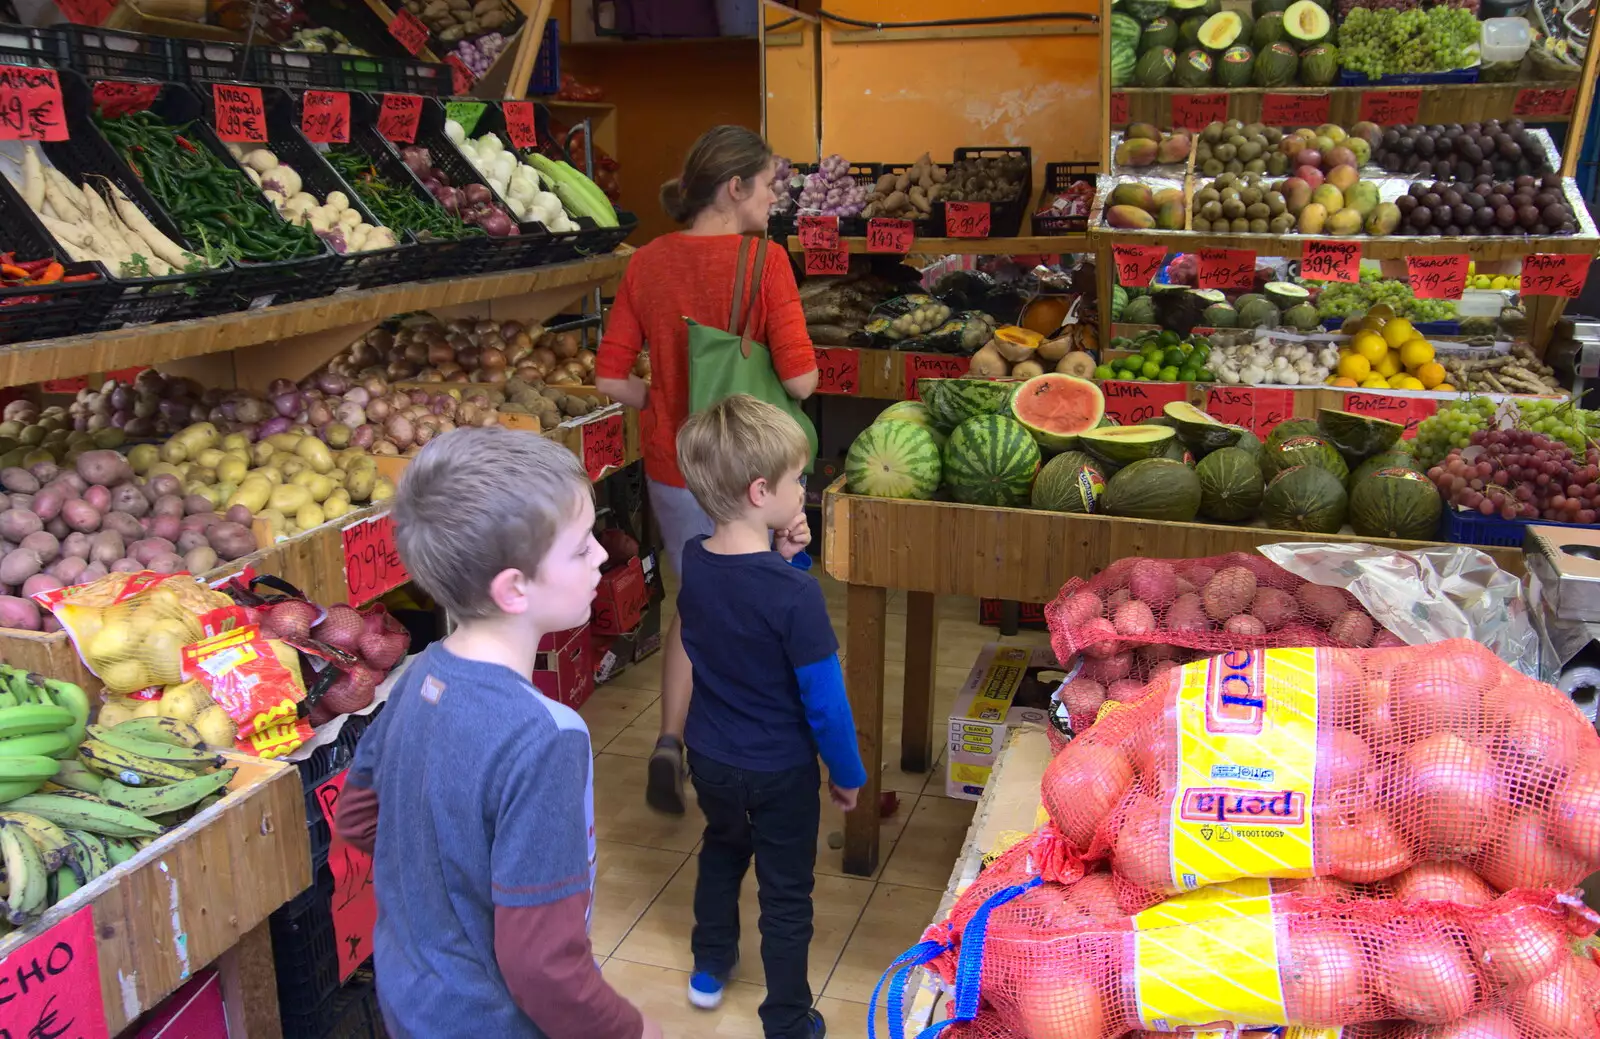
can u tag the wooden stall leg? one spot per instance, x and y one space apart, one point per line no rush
864 679
922 653
250 986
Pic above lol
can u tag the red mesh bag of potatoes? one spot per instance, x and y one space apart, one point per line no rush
1350 764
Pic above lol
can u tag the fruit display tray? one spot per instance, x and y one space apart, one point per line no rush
1160 169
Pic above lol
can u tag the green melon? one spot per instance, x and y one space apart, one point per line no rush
894 459
1358 436
1249 443
1178 453
1055 408
1396 503
1319 65
990 460
1230 485
1222 30
1302 316
1140 311
1153 488
1121 445
954 401
1189 31
1268 30
1306 22
1182 9
1069 482
1219 315
1262 8
1163 32
1144 10
1396 459
1276 65
1305 498
1292 427
1236 66
1154 68
1194 69
1199 430
1306 450
1258 313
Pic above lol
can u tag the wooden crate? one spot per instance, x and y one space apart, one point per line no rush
1441 103
193 894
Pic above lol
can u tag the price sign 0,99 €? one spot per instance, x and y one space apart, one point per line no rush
966 219
520 126
1331 261
1437 277
838 370
325 116
409 30
371 561
932 366
30 104
1137 264
398 117
818 232
1227 269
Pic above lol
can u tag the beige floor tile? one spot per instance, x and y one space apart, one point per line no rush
847 1020
660 993
612 708
646 674
627 881
639 738
893 921
620 813
661 937
926 851
830 860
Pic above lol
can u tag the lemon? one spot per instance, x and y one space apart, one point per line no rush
1416 353
1472 266
1516 281
1481 281
1354 366
1375 382
1388 365
1500 282
1370 345
1397 331
1430 374
1446 387
1406 382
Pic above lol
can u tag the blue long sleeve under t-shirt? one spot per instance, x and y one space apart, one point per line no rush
768 689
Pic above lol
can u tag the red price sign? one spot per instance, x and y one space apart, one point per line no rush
72 385
1137 264
127 374
1407 411
118 97
355 903
1132 403
409 30
819 232
1548 274
461 77
602 446
30 104
1331 261
966 220
1197 111
519 124
1389 107
1227 269
1119 109
87 12
1437 277
1294 109
398 117
932 366
1255 409
325 116
240 113
52 983
887 235
838 371
827 262
372 564
1535 102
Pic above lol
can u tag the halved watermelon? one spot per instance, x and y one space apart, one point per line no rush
1055 408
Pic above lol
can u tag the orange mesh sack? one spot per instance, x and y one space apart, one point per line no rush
1350 764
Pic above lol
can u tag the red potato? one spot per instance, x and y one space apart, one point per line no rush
168 505
18 565
1133 618
1352 628
19 480
127 566
1321 603
47 503
40 582
1078 608
1274 608
1098 637
16 524
165 563
124 524
1187 614
68 570
98 496
128 498
106 547
1153 581
106 468
1244 624
81 516
149 548
1106 670
18 613
166 528
45 544
1229 592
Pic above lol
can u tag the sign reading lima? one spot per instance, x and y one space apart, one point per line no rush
1229 805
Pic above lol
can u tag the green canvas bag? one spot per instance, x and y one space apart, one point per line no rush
725 362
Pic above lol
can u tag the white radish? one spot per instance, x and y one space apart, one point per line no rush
63 231
140 224
63 196
32 179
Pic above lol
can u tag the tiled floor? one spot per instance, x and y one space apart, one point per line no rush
642 912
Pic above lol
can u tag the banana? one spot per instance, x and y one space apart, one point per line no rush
126 767
54 845
25 720
184 757
70 696
47 744
159 800
25 874
161 730
84 812
27 692
120 849
10 790
7 698
93 855
35 768
64 883
75 776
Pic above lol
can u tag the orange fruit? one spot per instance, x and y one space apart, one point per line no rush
1431 374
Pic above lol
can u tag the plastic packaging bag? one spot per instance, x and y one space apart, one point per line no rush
906 318
257 682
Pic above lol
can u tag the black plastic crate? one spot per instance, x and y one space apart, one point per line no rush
46 311
305 948
594 240
203 62
108 54
1058 176
350 1013
1005 218
294 70
545 245
863 173
30 45
324 763
546 78
930 226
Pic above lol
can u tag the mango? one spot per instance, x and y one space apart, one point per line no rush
1313 217
1360 149
1174 148
1170 216
1133 218
1166 195
1330 197
1383 219
1296 194
1342 177
1136 152
1142 131
1362 197
1345 221
1130 193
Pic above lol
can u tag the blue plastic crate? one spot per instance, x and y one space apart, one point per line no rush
546 78
1446 327
1408 79
1474 528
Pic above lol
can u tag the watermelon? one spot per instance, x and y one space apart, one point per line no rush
894 459
1305 498
1358 437
1120 445
953 401
1230 485
990 460
1396 459
915 412
1155 489
1125 29
1305 450
1396 503
1124 56
1055 408
1069 482
1144 10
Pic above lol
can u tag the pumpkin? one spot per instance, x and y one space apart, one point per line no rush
1015 344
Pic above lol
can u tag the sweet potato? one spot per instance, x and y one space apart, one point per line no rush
18 613
80 516
19 479
45 544
200 559
123 524
106 547
106 468
19 565
128 498
47 503
231 540
149 548
16 524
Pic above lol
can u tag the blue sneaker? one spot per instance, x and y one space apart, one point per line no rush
818 1027
705 990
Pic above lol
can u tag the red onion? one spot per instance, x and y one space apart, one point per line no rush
120 419
146 407
363 436
357 395
217 415
379 409
330 383
149 379
272 426
375 386
248 410
198 413
175 411
477 193
122 398
424 434
449 198
497 224
400 430
418 159
350 413
139 427
288 404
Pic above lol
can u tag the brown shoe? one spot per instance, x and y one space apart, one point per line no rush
664 787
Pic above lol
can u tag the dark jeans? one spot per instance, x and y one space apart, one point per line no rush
773 816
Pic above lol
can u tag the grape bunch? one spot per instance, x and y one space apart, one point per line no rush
1521 474
1451 429
1342 299
1346 6
1383 42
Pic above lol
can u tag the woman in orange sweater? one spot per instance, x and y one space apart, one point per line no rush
724 193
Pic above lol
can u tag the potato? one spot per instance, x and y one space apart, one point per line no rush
107 547
149 548
18 565
128 498
163 469
336 505
47 503
198 437
291 467
235 442
106 468
168 527
270 473
126 566
360 483
76 544
238 514
142 456
123 524
45 544
44 472
232 470
165 563
285 442
41 582
68 570
18 613
309 515
18 479
91 573
78 514
211 457
98 496
194 504
251 495
189 540
231 541
287 498
167 505
174 451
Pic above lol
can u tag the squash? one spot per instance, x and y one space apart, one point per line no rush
988 364
1015 344
1076 363
1055 349
1045 314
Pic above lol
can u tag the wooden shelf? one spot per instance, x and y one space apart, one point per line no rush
1027 246
1442 103
1386 247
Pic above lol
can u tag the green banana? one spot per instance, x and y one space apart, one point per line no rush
47 744
75 776
70 696
161 730
10 790
25 720
34 768
120 849
64 883
7 698
27 692
126 767
72 810
184 757
93 855
54 845
159 800
29 881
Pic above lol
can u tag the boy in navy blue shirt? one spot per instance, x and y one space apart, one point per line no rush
768 698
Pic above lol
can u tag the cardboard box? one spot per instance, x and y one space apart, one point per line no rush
564 670
1007 687
620 601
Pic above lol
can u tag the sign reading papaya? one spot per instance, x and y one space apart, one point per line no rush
1547 274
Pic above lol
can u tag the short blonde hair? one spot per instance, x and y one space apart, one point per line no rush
732 444
480 500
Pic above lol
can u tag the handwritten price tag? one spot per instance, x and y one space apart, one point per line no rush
602 446
467 113
325 116
819 232
1549 274
1137 264
461 77
1388 107
838 371
72 385
887 235
1132 403
1119 109
87 12
372 564
1227 269
355 904
1437 277
115 98
1533 101
1294 109
398 117
1197 111
1407 411
827 262
520 124
51 985
240 113
409 30
1331 261
30 104
966 219
933 366
1255 409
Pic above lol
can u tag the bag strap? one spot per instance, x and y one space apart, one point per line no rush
746 337
738 285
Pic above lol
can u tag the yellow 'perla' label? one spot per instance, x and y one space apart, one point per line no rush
1247 753
1292 1032
1209 956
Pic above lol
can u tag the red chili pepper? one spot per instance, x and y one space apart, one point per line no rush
50 275
35 267
184 143
81 277
12 271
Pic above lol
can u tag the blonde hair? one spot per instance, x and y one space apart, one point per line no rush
732 444
480 500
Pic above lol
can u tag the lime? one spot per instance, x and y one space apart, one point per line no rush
1131 363
1152 351
1150 370
1175 357
1169 338
1206 376
1200 341
1169 373
1105 371
1188 373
